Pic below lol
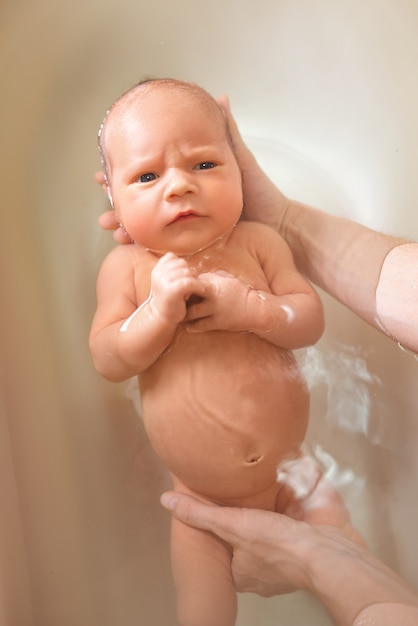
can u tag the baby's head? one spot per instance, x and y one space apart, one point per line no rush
171 87
166 151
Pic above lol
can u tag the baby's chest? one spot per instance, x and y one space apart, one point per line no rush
234 260
237 263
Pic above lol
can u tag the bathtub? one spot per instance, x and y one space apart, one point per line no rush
326 93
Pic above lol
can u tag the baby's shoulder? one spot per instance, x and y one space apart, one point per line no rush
123 257
263 242
256 232
129 252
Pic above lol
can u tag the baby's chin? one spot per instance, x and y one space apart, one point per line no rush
211 245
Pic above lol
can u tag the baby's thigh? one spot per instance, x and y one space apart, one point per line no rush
201 563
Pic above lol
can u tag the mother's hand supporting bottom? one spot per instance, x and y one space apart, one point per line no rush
274 554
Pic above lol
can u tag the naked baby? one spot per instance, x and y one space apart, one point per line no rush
205 309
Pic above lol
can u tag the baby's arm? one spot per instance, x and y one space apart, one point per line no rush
125 338
290 315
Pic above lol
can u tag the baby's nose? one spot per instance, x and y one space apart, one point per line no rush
178 184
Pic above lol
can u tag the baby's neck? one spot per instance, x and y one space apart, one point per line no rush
206 252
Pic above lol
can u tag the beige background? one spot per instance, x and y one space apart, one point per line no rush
327 94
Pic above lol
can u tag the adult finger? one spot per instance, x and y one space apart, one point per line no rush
121 236
266 546
223 521
100 177
237 140
108 220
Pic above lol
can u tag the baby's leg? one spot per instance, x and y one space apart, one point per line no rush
201 564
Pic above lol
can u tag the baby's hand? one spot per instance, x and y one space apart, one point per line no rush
172 284
225 304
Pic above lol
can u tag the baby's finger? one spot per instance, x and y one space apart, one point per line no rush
224 274
203 325
198 306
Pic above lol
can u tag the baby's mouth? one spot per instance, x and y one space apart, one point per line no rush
184 215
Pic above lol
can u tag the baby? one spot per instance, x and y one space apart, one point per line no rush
205 309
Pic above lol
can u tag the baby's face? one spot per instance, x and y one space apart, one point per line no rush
175 182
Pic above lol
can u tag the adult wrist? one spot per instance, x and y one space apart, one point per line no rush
348 578
396 299
339 575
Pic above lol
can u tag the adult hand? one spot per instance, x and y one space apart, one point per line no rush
271 551
263 201
109 220
265 544
274 554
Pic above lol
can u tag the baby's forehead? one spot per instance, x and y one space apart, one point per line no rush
174 99
142 106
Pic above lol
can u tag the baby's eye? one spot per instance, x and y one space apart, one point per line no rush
205 165
147 178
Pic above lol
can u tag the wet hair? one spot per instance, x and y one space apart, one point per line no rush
193 90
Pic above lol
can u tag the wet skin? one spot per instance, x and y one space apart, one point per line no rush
223 409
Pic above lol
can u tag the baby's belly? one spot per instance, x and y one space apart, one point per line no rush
222 410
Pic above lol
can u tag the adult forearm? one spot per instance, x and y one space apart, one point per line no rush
397 295
388 614
349 579
347 260
342 257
